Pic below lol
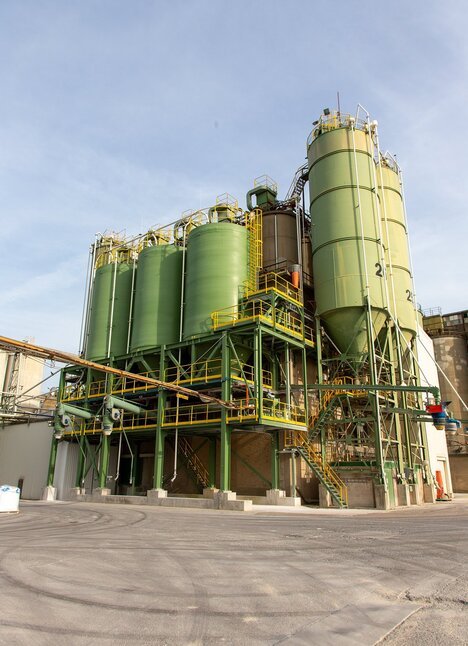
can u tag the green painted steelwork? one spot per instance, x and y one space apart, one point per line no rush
216 270
346 247
156 311
110 311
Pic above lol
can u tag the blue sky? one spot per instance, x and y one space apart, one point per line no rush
119 115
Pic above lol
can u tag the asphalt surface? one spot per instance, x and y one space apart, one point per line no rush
79 573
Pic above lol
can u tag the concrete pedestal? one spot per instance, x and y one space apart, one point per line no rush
155 496
382 498
101 493
49 493
429 493
403 494
209 492
228 500
279 497
325 499
416 494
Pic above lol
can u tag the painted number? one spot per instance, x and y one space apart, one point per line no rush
409 295
379 271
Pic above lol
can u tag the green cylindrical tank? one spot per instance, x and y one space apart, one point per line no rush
156 312
110 310
395 237
216 269
346 247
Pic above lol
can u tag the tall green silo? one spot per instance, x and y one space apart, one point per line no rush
395 237
346 247
110 311
216 269
156 312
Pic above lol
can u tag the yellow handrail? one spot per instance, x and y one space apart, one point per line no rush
254 311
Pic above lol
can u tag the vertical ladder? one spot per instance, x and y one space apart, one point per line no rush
254 227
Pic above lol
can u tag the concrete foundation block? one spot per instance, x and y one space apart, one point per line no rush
101 493
404 496
209 492
416 494
49 493
382 497
75 493
279 497
429 493
325 499
155 496
228 500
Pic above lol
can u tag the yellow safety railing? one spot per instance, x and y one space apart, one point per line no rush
272 282
134 385
261 311
211 369
191 415
280 411
328 395
301 439
267 182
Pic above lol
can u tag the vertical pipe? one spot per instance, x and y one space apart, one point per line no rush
104 460
160 435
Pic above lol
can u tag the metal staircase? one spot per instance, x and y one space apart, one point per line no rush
324 472
194 462
303 443
299 180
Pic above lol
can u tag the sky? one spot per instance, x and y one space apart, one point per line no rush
118 115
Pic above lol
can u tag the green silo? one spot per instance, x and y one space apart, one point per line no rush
346 247
395 237
216 270
110 311
156 312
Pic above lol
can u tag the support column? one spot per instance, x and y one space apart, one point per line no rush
159 444
52 461
225 465
318 336
275 460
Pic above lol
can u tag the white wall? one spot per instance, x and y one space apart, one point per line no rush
436 440
24 453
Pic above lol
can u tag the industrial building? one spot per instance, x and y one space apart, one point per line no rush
449 334
267 354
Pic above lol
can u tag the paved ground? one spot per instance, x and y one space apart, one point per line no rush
78 573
